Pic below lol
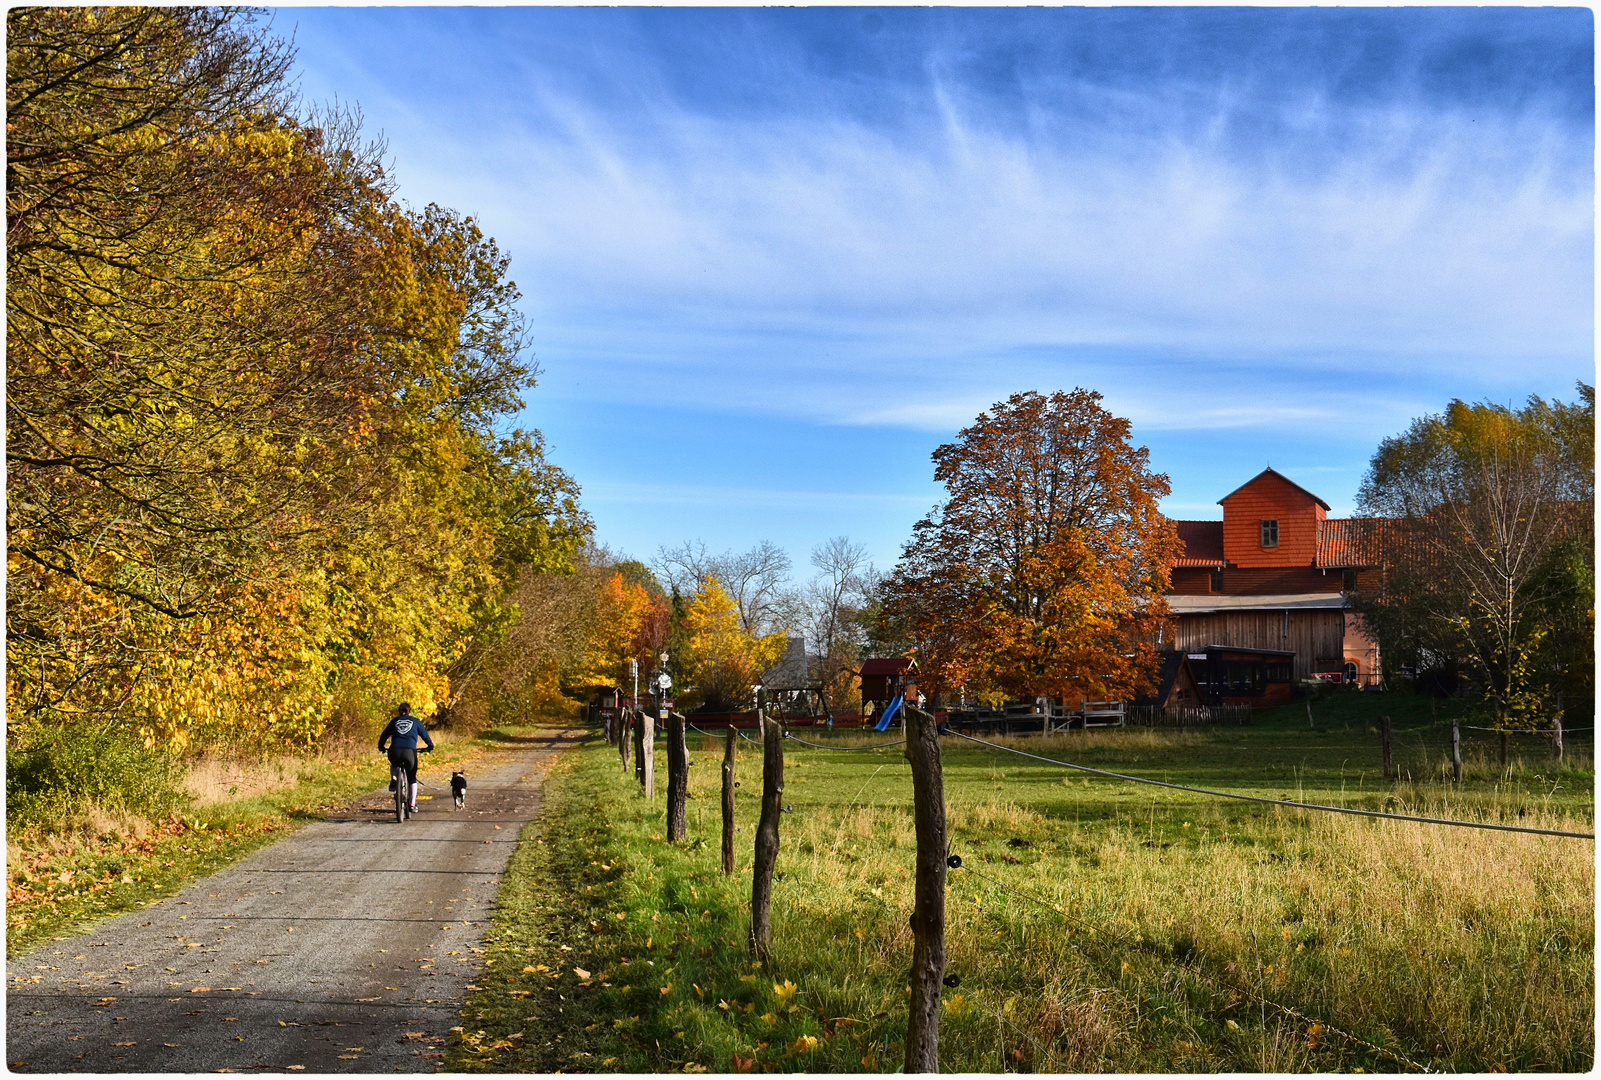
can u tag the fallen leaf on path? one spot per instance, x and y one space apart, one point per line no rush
200 990
134 1043
580 972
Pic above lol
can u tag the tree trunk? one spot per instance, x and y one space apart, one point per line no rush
728 800
647 753
1384 734
928 912
677 778
761 891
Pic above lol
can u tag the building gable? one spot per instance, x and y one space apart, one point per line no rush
1292 515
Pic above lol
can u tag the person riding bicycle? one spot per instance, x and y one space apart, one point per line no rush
404 731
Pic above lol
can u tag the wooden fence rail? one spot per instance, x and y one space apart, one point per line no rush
1188 716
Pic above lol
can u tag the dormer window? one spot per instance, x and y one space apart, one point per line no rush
1270 532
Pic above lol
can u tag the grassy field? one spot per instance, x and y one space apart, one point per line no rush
61 880
1095 925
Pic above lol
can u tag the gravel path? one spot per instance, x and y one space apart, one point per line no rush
344 948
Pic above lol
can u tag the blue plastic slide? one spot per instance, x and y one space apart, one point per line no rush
889 714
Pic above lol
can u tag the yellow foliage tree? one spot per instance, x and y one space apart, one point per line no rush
724 660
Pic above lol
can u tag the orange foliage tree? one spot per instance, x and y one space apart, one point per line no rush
1043 571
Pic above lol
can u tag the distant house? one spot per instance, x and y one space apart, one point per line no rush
1274 577
793 671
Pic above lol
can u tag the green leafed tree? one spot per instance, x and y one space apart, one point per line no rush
1488 541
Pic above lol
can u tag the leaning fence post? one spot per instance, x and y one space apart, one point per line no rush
1456 750
761 891
1384 734
928 911
677 777
1556 734
625 736
728 800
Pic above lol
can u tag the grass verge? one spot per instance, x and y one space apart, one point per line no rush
1095 925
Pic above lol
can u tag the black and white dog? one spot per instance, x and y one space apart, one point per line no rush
458 788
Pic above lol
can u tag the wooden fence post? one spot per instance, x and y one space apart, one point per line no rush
1456 750
728 801
1309 721
1384 734
639 746
677 777
928 911
1556 734
761 890
647 752
625 736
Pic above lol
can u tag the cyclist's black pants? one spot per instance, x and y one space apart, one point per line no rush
406 759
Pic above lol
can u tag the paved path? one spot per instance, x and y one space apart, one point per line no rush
343 948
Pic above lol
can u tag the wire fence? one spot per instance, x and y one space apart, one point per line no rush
1282 802
1314 1027
1200 973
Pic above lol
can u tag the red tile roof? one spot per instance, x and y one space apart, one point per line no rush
1203 543
1274 472
892 665
1351 541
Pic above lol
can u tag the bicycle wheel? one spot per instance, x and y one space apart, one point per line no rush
401 804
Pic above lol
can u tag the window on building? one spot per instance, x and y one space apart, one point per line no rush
1348 580
1217 580
1270 532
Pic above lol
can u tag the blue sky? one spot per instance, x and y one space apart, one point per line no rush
773 257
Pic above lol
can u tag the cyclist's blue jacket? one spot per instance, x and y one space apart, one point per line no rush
405 730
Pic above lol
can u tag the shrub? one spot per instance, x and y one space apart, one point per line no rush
61 772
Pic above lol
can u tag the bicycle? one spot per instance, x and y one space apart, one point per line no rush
397 778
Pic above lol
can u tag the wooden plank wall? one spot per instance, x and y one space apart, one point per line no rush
1314 635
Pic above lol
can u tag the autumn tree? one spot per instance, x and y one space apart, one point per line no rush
255 465
1488 544
1043 571
722 659
754 578
829 609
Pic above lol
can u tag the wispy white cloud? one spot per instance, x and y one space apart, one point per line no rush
806 251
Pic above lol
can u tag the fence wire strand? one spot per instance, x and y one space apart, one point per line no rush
1216 982
826 746
1283 802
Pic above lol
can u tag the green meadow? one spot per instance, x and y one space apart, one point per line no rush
1095 924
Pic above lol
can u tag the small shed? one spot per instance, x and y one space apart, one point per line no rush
879 676
1176 685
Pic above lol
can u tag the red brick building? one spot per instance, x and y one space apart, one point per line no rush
1273 576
